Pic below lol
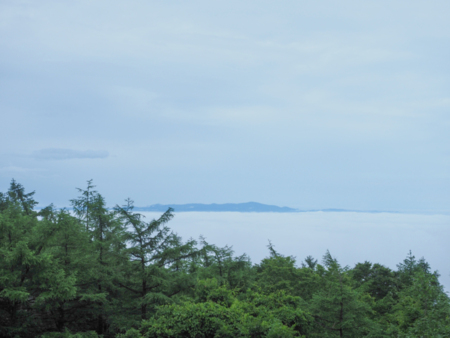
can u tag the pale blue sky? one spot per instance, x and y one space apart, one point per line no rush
308 104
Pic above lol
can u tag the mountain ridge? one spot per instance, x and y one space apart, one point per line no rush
242 207
214 207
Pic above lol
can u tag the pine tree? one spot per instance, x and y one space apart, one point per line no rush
337 308
82 206
279 272
107 241
30 276
16 194
155 273
423 308
219 263
71 247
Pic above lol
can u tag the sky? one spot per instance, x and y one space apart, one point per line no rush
306 104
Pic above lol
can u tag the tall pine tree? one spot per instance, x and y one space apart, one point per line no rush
155 272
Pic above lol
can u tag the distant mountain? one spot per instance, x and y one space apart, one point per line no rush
236 207
243 207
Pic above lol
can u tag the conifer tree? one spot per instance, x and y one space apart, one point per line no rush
279 272
71 247
423 308
155 272
106 235
82 206
17 194
219 263
337 308
30 276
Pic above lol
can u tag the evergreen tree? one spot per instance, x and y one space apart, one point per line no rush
278 272
423 308
310 262
375 279
338 309
154 273
82 206
71 247
106 235
30 277
217 312
219 263
16 194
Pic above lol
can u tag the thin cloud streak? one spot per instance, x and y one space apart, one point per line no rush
68 154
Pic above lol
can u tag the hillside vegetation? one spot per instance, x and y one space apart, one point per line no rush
95 272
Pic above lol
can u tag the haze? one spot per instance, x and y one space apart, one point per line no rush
303 104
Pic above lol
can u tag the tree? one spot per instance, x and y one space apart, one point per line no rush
278 272
106 234
71 248
217 312
423 308
82 206
154 273
376 279
30 276
337 308
16 194
219 263
310 262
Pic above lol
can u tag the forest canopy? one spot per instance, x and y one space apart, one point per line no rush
94 271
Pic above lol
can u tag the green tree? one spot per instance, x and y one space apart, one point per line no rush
217 312
375 279
338 309
279 272
423 308
219 263
30 276
16 194
71 247
83 205
154 273
106 235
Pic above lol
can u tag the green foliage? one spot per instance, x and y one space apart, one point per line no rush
68 334
31 277
155 271
219 263
280 273
376 280
216 312
337 307
97 272
423 309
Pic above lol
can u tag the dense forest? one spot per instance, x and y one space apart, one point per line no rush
93 271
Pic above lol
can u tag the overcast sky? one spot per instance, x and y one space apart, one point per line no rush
307 104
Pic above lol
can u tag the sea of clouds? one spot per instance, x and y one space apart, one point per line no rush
351 237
